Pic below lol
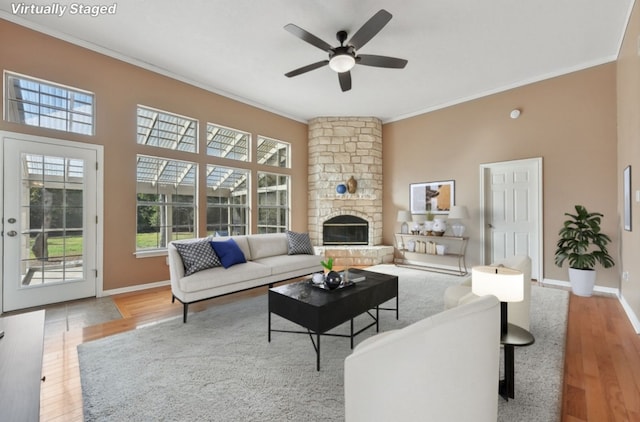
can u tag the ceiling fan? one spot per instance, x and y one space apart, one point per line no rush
343 57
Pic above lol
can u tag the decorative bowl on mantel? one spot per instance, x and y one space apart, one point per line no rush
435 233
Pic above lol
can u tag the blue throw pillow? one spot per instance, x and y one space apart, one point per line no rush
229 252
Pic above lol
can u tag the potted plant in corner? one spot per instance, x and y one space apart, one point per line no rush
583 245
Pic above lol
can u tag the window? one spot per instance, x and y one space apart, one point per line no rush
273 203
273 153
166 206
167 130
227 201
227 143
48 105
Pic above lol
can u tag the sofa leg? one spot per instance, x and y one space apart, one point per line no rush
184 313
173 299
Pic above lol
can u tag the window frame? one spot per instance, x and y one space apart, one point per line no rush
261 138
229 206
169 114
248 158
280 228
11 102
168 229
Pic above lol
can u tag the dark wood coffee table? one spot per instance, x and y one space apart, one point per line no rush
319 310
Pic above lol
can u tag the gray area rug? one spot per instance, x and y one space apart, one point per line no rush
220 367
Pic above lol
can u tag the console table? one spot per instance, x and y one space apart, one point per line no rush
21 366
452 262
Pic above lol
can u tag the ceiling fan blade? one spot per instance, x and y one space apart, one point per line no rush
381 61
370 29
345 81
308 37
307 68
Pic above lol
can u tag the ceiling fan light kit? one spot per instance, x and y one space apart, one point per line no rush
342 63
343 58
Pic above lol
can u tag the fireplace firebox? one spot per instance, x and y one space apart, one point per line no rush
345 230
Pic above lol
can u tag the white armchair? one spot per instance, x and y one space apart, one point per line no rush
518 312
442 368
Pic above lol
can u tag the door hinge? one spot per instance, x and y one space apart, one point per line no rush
96 219
97 166
96 271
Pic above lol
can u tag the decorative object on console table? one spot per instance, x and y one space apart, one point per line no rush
507 285
458 213
404 217
341 188
418 221
352 185
439 227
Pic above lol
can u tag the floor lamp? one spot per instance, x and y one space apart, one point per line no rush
504 283
508 286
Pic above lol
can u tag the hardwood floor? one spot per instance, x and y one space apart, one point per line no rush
602 363
602 359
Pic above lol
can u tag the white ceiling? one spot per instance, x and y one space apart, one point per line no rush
457 49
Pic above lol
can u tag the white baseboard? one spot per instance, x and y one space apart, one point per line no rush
630 314
633 318
135 288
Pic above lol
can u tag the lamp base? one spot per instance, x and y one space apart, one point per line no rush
404 229
504 324
457 230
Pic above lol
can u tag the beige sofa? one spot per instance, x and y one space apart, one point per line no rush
442 368
267 259
518 312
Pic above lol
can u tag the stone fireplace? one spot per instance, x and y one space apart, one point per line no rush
341 148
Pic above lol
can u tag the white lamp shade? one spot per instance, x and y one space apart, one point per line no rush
505 283
458 212
404 216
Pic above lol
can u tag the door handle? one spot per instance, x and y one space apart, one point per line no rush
490 225
12 233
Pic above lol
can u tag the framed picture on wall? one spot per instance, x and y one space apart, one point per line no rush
432 197
626 183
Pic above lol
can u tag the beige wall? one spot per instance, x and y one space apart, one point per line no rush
569 121
629 154
119 87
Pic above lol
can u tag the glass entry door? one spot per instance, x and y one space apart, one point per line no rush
50 227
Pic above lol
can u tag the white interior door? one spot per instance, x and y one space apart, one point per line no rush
512 204
50 227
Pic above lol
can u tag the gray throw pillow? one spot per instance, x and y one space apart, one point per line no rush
197 255
299 243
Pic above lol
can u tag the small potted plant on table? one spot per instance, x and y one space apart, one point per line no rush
583 245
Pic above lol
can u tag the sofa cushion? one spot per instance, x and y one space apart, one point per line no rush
299 243
197 255
229 252
282 264
218 277
271 244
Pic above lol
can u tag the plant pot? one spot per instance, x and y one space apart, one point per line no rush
582 281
